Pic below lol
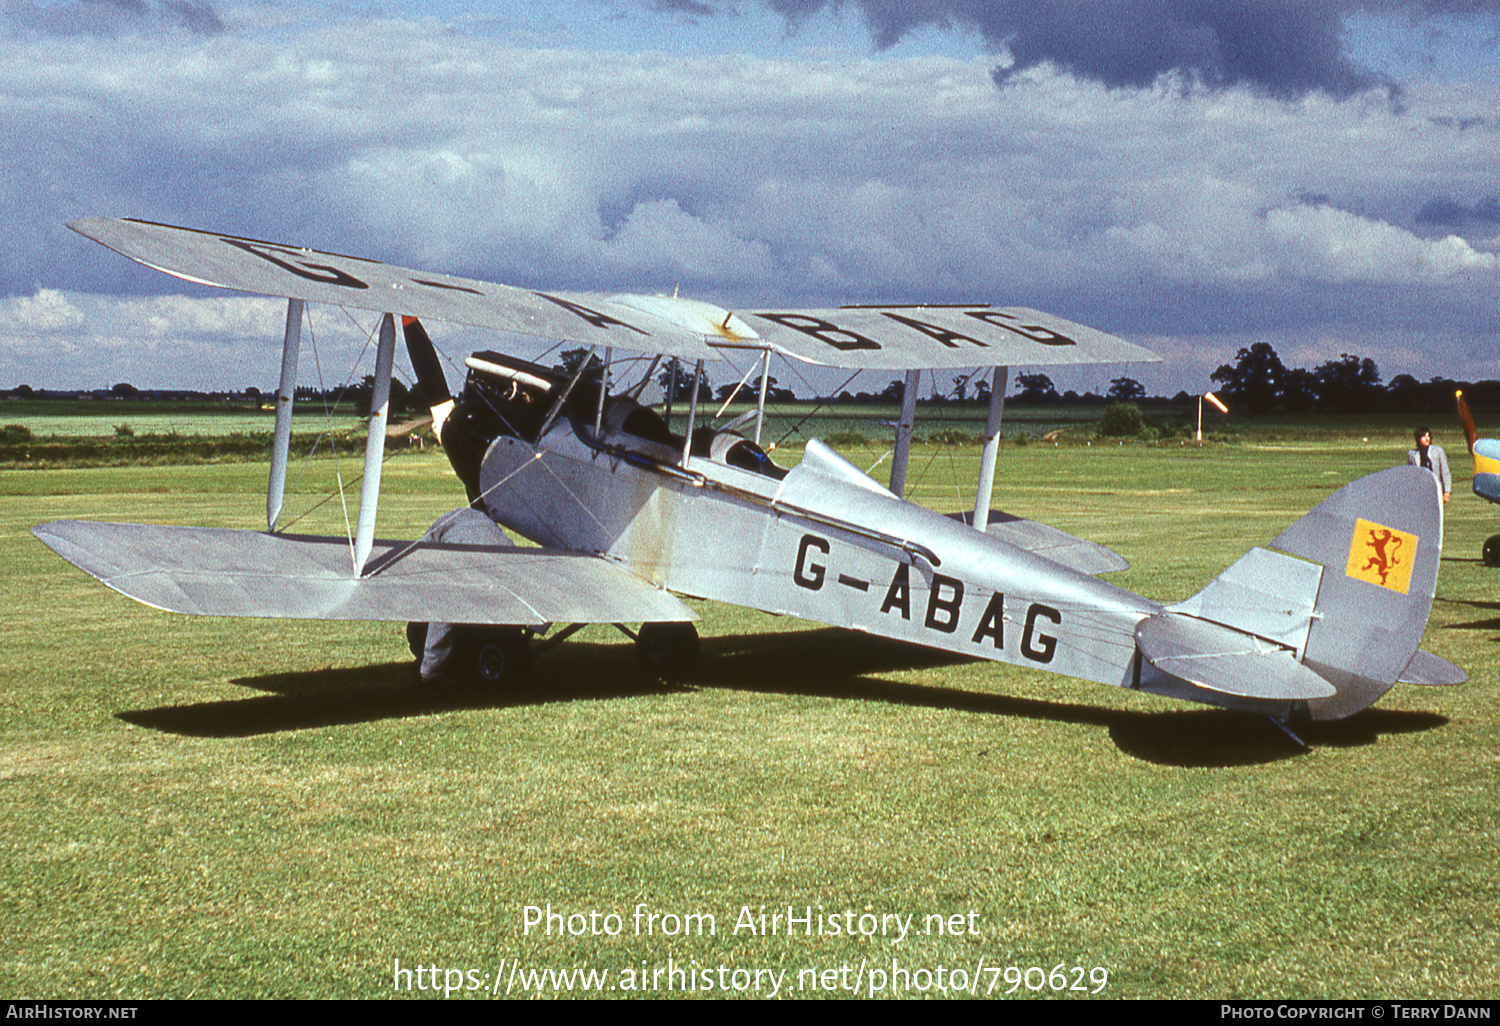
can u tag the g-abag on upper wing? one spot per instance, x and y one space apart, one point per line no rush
890 337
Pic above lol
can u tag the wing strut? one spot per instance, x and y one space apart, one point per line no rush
760 407
609 355
903 432
687 443
380 408
281 441
562 398
986 485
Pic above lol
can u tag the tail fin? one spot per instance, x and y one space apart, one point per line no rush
1356 610
1379 541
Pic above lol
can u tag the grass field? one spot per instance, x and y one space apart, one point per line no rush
221 808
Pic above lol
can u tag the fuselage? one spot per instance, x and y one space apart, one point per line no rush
822 541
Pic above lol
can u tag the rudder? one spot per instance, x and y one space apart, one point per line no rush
1379 541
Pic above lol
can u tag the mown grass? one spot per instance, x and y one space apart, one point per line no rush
231 808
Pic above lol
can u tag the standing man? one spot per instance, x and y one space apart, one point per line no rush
1434 459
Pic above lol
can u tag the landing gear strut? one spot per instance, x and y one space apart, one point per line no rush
485 654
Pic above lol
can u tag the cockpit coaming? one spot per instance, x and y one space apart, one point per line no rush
505 396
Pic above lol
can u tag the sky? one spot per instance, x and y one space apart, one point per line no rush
1194 176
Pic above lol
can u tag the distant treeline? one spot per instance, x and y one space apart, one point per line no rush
349 398
19 448
1257 383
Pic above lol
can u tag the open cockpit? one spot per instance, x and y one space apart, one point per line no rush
506 396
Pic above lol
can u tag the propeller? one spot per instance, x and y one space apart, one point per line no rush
431 381
1471 432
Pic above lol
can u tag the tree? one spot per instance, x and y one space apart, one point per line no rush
1122 420
1255 381
571 359
1126 390
750 393
1406 394
1036 388
1299 392
683 379
1348 384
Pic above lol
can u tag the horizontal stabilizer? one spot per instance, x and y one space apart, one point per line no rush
1432 671
1062 548
1223 659
213 572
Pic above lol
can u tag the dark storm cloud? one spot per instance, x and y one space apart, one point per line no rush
114 17
1283 48
1455 215
693 8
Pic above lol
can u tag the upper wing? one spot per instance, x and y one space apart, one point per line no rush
884 337
918 337
213 572
272 269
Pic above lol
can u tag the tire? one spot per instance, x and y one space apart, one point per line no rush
496 656
667 651
1492 550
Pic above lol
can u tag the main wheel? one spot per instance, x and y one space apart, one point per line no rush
497 655
667 650
1492 550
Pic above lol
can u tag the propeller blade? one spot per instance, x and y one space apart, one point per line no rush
424 360
1468 420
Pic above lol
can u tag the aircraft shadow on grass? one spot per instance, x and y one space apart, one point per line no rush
1489 624
824 662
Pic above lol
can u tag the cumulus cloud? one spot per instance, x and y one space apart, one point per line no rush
1320 243
58 339
48 310
743 180
660 236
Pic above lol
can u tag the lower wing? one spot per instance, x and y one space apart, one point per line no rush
215 572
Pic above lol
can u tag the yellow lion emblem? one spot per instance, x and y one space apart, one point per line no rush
1381 555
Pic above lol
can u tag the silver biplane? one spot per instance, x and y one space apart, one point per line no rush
627 508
